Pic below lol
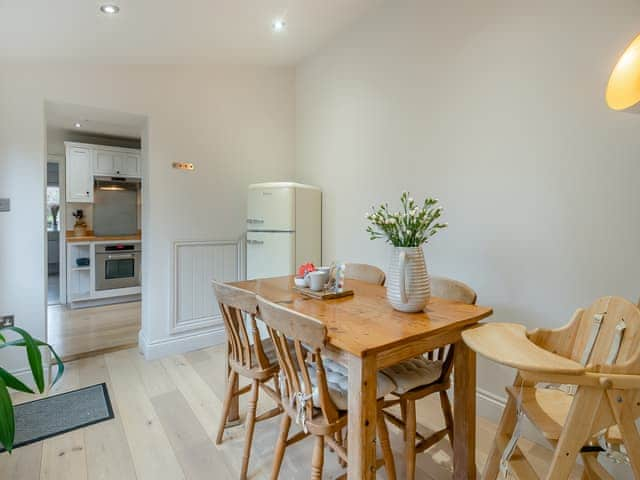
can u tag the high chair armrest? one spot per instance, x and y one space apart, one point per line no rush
507 343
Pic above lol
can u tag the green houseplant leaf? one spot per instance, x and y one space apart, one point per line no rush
8 381
13 383
40 343
7 421
33 355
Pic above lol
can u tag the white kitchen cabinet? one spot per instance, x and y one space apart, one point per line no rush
85 161
129 165
104 162
79 174
116 164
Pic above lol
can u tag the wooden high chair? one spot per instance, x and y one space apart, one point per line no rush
579 385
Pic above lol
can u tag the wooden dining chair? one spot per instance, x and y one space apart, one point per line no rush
364 273
314 389
579 385
453 290
422 376
247 356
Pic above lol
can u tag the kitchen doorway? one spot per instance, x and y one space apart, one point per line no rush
93 229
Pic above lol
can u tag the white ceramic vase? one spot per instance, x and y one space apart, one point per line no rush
408 282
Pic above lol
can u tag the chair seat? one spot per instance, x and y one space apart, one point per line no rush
548 409
413 373
338 383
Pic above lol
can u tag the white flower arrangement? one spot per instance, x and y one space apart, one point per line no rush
413 226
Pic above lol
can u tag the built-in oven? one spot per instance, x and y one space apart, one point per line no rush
117 265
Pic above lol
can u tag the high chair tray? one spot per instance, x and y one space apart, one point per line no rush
507 343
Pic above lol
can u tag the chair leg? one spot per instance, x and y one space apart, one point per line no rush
340 441
626 422
251 422
576 431
281 446
385 444
226 405
505 429
403 414
410 442
448 415
318 458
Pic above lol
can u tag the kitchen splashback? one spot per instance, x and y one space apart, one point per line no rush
115 211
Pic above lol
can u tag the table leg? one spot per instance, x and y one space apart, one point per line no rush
361 447
464 413
234 415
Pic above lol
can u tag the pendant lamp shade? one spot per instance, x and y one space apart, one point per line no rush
623 90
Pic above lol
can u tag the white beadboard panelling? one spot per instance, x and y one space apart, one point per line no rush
196 264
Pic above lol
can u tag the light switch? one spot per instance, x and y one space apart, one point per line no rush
5 204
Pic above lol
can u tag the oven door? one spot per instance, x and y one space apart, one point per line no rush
117 270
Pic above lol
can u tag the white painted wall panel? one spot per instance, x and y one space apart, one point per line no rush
196 264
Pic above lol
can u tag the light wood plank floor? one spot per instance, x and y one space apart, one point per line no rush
166 413
74 333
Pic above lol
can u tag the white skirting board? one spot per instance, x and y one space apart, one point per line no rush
183 343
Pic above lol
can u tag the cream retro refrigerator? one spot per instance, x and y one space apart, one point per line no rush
284 228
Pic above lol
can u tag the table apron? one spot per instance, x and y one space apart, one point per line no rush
415 348
399 353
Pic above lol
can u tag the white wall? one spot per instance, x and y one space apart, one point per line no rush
496 108
236 124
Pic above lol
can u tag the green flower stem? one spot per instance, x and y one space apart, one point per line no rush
412 226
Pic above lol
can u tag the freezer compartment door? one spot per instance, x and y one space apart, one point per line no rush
270 254
271 209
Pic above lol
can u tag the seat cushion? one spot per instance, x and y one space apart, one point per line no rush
413 373
338 383
269 351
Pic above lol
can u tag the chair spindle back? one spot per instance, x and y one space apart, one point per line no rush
364 273
245 346
614 322
299 340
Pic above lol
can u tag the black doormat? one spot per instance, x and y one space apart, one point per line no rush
62 413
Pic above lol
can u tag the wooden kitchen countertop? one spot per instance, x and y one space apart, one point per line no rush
90 237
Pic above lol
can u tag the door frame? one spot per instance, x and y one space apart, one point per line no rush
62 270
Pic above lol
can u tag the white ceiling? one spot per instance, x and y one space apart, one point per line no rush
93 120
178 31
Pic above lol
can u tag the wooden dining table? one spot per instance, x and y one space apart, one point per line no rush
366 334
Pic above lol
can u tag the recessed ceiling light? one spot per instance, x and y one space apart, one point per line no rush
278 25
109 9
77 125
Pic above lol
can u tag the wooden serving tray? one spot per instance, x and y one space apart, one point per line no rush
323 295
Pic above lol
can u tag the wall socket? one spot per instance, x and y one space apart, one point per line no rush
6 320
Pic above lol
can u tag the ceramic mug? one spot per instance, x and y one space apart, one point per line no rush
317 280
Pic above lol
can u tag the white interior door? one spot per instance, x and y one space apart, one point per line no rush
271 209
270 254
